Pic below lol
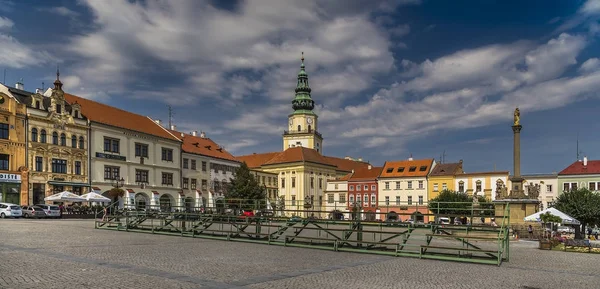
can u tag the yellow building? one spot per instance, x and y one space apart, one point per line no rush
13 169
481 183
442 177
301 169
269 181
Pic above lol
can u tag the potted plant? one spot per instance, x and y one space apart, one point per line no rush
545 241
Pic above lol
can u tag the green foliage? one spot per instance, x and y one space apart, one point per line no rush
486 207
547 217
581 204
451 203
116 192
244 186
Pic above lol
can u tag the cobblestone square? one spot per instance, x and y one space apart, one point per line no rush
72 254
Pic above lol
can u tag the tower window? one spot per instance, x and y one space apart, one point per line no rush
309 128
58 108
299 128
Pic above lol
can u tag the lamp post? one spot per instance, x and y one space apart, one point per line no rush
117 184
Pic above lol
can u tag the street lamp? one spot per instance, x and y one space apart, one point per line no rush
118 183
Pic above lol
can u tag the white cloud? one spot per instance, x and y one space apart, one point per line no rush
18 55
590 65
590 7
60 10
6 23
400 30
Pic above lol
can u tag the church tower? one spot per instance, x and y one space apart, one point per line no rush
303 121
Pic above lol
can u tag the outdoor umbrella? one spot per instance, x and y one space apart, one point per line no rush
95 197
566 219
65 196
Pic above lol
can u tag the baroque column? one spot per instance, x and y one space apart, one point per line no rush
517 180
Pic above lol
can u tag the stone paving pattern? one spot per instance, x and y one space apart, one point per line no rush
72 254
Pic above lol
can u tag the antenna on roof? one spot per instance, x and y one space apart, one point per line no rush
170 116
43 86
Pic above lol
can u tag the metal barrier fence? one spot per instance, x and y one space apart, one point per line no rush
466 232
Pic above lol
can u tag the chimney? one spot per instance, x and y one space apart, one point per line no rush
410 158
584 161
353 171
38 91
195 133
20 85
461 161
173 127
182 134
370 167
202 134
157 121
360 159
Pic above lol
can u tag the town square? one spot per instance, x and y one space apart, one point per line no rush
299 144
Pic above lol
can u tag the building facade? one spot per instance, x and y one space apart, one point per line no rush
580 174
404 185
134 153
442 177
547 187
481 183
269 182
363 194
13 134
336 198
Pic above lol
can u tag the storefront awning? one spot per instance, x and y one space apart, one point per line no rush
155 192
130 191
60 183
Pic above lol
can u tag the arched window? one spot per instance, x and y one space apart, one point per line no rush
63 139
43 136
74 141
309 128
81 146
34 134
299 128
55 138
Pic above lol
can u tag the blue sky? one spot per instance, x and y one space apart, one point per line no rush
390 78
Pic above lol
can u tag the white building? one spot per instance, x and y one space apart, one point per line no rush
548 187
482 184
207 169
136 149
336 196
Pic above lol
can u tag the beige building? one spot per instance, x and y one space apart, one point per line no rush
13 169
269 181
57 144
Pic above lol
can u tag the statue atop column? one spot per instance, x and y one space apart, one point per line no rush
517 117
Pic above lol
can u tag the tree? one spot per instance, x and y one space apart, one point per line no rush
581 204
450 203
548 218
245 187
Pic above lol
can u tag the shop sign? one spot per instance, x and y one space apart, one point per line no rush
111 157
10 178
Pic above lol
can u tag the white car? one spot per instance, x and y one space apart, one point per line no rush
51 211
10 210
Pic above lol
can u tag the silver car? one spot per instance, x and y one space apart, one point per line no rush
51 211
33 212
10 210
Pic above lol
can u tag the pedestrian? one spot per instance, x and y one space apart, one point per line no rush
530 230
105 214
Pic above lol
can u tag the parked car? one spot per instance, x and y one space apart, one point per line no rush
565 230
51 211
10 210
247 214
444 221
33 212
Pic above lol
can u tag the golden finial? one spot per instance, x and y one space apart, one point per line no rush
302 56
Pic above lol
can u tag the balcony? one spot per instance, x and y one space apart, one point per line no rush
292 132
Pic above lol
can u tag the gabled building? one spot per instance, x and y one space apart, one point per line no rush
363 192
207 169
132 152
442 177
481 183
403 186
580 174
13 135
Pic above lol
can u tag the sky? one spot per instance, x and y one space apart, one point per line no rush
390 79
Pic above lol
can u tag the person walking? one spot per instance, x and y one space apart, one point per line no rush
530 231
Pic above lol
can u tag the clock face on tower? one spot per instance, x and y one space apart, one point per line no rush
309 120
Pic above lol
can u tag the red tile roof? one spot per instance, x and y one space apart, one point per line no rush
112 116
577 168
366 174
448 169
406 168
483 173
298 154
346 165
344 178
203 146
257 160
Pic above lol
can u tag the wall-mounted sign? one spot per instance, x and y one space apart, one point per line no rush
111 157
10 178
59 179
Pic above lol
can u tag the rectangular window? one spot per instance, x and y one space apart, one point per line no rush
358 199
342 198
282 182
421 185
141 176
336 186
193 183
185 183
111 145
397 185
264 180
59 166
444 186
111 173
204 166
4 132
351 199
4 162
185 163
320 183
167 154
387 200
409 183
592 186
397 200
193 167
410 200
366 187
366 199
351 188
358 187
77 167
39 164
293 200
373 199
330 198
412 169
461 187
435 187
141 150
420 200
566 187
478 186
167 179
312 182
549 188
373 188
58 109
293 182
387 185
574 186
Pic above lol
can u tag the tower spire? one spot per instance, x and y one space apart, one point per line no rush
57 83
303 103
